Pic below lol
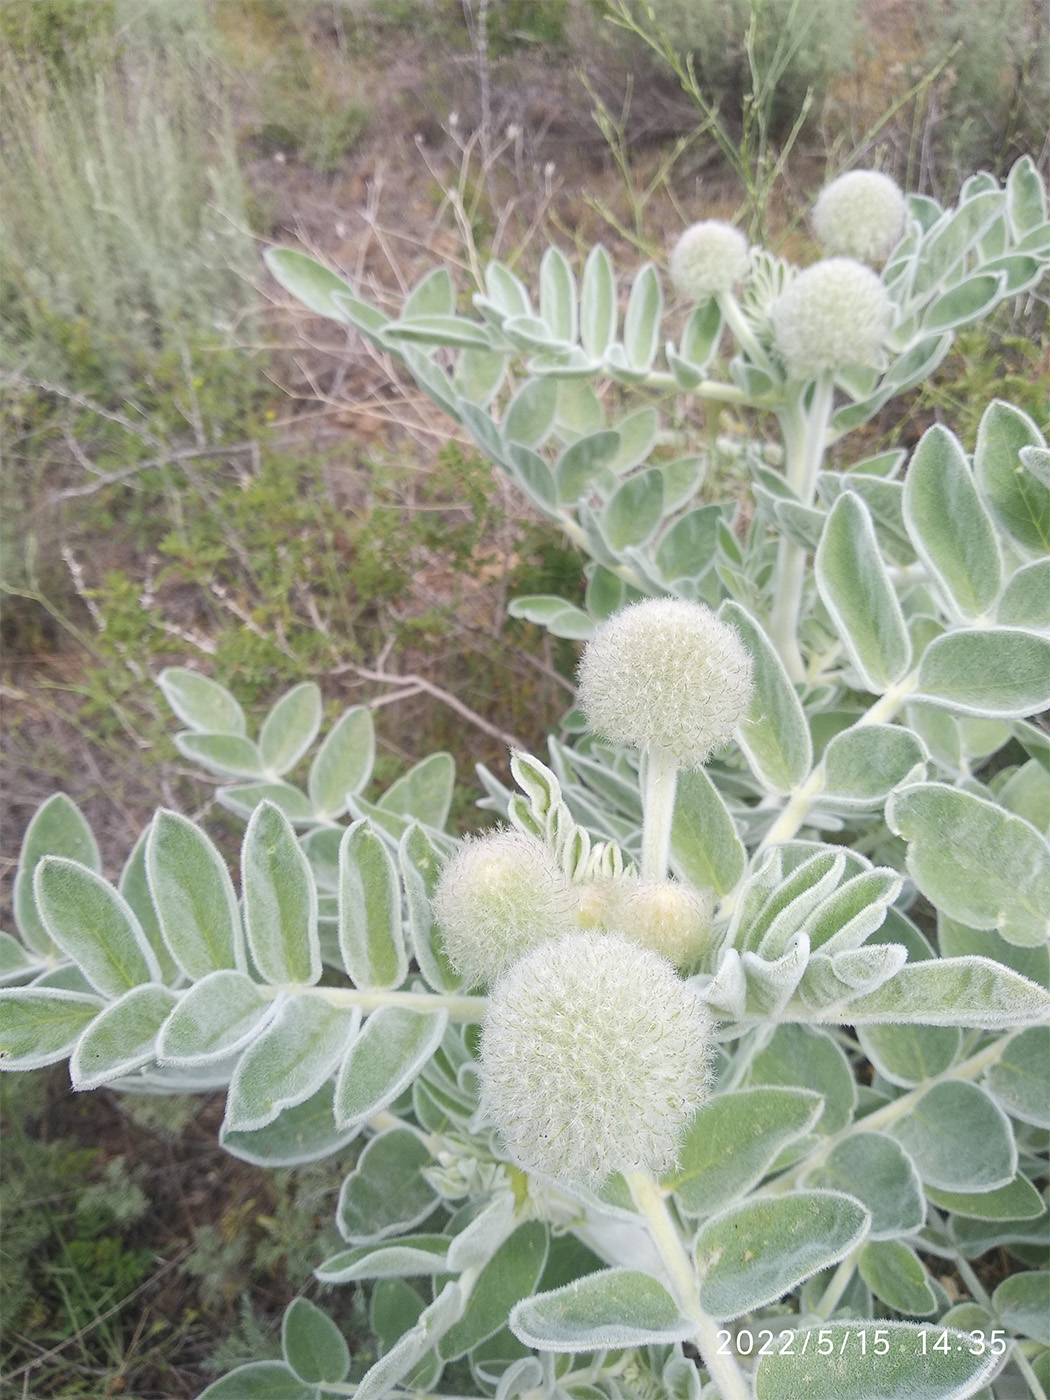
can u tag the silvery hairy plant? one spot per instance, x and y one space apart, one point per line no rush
712 1069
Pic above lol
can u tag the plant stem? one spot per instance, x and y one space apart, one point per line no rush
459 1008
660 782
724 1371
840 1279
804 433
794 814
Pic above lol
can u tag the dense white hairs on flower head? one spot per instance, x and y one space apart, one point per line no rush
835 313
499 896
672 919
593 1058
708 258
666 672
860 215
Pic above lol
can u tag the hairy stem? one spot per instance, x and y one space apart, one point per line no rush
459 1008
804 433
724 1371
660 782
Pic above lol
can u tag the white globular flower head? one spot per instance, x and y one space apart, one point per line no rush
594 1057
708 258
499 896
860 215
666 673
835 313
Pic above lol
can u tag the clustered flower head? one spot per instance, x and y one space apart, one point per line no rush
666 673
594 1058
860 215
497 898
672 919
835 313
708 258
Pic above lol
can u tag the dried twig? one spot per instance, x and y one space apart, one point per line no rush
420 683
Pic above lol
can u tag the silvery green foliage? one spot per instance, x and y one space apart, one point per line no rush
872 845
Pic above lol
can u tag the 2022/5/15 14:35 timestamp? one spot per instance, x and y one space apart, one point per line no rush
820 1341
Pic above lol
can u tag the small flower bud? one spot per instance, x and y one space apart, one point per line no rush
664 915
666 672
593 1058
499 896
835 313
708 258
860 215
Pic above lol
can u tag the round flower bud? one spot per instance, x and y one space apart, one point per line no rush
666 673
860 215
670 918
708 258
593 1058
835 313
499 896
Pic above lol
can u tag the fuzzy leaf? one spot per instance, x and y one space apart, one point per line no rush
997 672
1021 1302
260 1380
1017 1200
753 1253
894 1273
598 314
967 301
980 865
1025 601
201 703
509 1276
424 793
287 1063
313 1345
775 735
228 755
875 1169
1018 500
344 762
385 1193
133 885
530 414
705 847
634 510
58 828
303 1133
959 1139
242 799
94 926
948 525
864 763
1018 1081
370 938
219 1016
412 1256
290 728
799 1057
733 1141
688 548
384 1060
40 1025
280 901
558 298
193 896
613 1308
641 327
841 1370
856 590
962 991
421 864
122 1038
560 618
909 1055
